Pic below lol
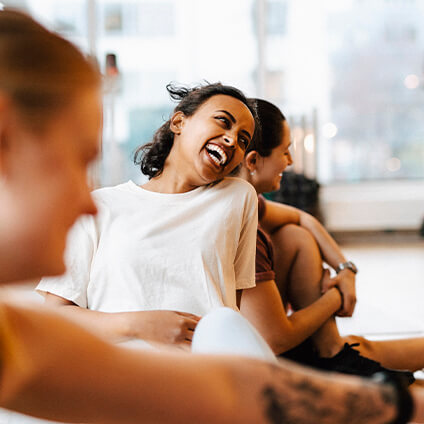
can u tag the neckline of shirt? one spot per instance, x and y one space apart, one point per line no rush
174 196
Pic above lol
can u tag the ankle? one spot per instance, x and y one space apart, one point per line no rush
327 350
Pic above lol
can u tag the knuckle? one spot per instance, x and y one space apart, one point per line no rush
172 337
177 336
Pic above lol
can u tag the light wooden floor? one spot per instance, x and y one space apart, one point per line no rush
390 287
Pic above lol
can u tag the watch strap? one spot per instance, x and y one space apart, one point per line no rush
347 265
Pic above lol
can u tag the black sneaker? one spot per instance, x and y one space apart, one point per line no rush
304 353
350 361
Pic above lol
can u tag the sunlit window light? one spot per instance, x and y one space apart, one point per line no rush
297 133
393 164
411 81
329 130
309 143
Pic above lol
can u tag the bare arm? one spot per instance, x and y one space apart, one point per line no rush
117 385
295 394
169 327
278 215
263 307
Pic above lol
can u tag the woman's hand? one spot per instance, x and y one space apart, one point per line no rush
345 281
165 327
168 327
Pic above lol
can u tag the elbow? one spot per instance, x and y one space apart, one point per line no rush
51 299
286 337
282 341
281 348
306 220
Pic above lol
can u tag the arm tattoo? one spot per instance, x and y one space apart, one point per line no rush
301 398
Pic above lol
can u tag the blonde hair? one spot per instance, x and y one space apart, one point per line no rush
40 71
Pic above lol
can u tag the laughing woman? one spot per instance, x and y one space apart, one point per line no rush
157 257
50 368
291 248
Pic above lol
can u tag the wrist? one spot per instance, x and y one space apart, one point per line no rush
418 402
346 273
348 265
403 399
126 323
338 295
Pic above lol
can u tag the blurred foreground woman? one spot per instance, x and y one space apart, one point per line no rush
51 368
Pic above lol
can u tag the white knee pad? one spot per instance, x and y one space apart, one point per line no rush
226 332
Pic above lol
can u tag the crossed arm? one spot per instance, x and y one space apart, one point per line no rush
53 369
277 215
263 307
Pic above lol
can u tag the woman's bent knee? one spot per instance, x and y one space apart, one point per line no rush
294 236
225 331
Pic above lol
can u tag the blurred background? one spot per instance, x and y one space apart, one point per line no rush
348 74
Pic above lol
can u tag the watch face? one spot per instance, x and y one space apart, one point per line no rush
352 267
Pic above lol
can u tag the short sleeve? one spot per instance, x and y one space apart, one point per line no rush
78 258
244 264
261 207
264 258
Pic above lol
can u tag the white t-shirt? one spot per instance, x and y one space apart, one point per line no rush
145 250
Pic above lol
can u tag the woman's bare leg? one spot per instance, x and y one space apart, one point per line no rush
298 268
401 354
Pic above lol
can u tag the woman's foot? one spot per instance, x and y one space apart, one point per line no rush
350 361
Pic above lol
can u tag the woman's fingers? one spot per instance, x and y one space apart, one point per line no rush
348 306
189 337
164 326
187 324
188 315
326 281
346 283
190 322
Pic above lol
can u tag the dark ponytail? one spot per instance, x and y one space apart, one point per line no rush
151 157
270 128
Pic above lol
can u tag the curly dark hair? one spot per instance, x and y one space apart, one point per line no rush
270 128
151 156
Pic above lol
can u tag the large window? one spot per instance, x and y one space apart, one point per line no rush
148 44
161 41
347 73
350 74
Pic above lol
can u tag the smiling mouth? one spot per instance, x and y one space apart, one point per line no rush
217 154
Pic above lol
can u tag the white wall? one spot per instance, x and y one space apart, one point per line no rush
386 205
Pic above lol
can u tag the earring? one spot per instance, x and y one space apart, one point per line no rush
253 173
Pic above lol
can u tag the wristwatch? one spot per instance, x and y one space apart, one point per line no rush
346 265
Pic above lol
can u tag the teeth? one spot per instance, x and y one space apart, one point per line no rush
223 157
215 159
